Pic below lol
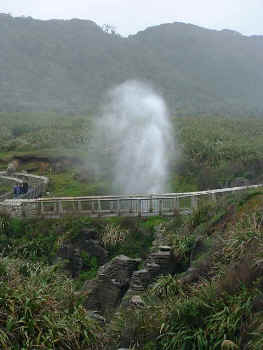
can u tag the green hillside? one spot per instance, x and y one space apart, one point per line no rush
211 152
67 66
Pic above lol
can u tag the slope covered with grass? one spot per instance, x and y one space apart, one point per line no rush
218 302
39 309
211 152
214 301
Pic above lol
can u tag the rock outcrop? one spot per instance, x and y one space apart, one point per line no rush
105 292
119 282
93 248
160 261
72 253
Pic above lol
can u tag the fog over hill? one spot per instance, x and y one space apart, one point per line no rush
67 66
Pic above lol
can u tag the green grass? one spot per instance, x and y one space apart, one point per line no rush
221 307
207 157
65 185
39 309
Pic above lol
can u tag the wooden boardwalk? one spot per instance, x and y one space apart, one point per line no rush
30 205
127 205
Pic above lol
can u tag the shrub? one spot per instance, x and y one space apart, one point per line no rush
135 328
165 286
203 322
182 246
4 222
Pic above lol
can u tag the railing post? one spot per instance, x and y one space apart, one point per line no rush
213 197
160 207
42 208
176 203
60 208
99 208
55 208
118 208
194 203
23 210
151 204
79 206
139 207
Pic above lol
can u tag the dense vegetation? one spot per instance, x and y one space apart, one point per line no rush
217 304
211 152
67 66
38 240
39 309
219 152
41 305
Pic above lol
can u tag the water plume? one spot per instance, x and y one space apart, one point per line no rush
133 142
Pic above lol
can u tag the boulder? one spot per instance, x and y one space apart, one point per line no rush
164 259
140 280
89 233
93 248
73 254
120 268
105 294
154 270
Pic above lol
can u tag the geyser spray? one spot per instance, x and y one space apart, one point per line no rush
133 141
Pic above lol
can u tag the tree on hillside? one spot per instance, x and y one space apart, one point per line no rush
109 29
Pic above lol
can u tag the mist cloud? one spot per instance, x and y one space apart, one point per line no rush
133 141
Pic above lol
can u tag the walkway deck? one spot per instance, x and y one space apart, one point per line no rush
127 205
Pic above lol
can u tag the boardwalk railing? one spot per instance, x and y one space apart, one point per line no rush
129 205
8 179
37 185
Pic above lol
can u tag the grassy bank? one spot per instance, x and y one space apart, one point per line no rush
218 303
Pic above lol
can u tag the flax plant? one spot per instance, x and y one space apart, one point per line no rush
113 235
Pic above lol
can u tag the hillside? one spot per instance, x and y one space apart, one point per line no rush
67 66
209 294
226 152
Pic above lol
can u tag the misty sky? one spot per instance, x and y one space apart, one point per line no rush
130 16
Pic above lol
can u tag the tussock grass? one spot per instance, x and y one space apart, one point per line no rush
113 235
39 309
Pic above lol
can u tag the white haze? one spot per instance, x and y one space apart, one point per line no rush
133 141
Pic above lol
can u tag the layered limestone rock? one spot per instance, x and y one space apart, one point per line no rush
105 292
120 268
72 253
93 248
119 281
159 262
